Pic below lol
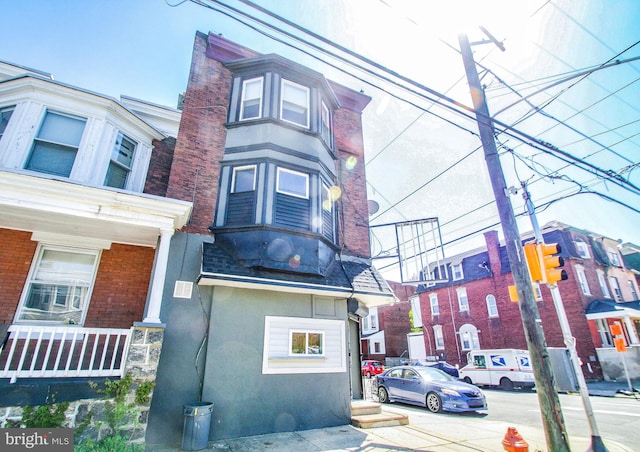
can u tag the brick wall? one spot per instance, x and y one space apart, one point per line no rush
16 254
121 286
160 167
200 145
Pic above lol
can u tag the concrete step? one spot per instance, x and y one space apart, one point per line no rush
367 414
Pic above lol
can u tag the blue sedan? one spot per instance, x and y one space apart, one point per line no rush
426 386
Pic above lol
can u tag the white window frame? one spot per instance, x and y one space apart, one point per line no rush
602 280
492 306
469 339
582 280
6 112
306 333
433 304
582 249
277 360
287 83
244 98
605 334
615 287
614 257
290 193
456 272
237 169
31 280
70 147
438 337
463 297
114 162
632 288
325 123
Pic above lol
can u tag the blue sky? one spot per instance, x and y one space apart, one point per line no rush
142 49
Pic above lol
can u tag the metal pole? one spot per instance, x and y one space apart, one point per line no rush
596 441
552 418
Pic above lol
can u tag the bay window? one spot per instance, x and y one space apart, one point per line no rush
121 162
294 103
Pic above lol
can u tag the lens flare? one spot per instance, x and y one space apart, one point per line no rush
351 163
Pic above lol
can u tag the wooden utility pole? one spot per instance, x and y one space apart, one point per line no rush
552 418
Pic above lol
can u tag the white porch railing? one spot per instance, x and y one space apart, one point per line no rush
63 351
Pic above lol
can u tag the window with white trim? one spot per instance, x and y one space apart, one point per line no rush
292 183
603 284
294 103
582 249
56 145
121 162
582 280
251 102
604 333
306 343
5 115
469 337
243 179
632 288
613 257
325 125
463 300
433 302
59 286
438 336
456 271
492 306
615 286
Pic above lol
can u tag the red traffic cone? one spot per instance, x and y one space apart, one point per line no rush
514 442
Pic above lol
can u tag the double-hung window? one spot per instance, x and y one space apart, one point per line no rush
463 301
244 179
306 343
5 115
55 148
325 126
492 306
433 302
616 288
613 257
582 249
59 286
438 336
121 162
456 271
294 103
603 284
582 280
251 103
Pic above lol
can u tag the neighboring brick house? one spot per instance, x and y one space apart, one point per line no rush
384 330
266 284
473 309
82 263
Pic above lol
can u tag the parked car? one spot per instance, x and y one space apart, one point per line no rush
442 365
371 368
429 387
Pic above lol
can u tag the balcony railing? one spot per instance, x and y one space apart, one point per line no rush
63 351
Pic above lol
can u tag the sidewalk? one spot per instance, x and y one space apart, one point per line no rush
424 433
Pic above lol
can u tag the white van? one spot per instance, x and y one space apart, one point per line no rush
506 368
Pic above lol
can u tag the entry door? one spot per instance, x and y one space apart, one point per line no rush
354 360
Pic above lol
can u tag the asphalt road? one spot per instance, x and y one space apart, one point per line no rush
617 418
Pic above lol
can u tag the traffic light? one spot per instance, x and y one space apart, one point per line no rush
550 263
533 261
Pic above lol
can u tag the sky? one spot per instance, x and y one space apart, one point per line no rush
574 132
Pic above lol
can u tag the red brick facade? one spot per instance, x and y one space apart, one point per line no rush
160 167
16 254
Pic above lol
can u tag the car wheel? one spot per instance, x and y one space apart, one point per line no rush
383 395
467 380
434 402
506 384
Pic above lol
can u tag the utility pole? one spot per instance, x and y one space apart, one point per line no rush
552 418
596 441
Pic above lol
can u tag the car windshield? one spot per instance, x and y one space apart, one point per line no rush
431 374
375 364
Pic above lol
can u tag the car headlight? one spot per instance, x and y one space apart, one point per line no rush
450 392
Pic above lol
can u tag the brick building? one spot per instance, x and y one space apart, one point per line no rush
473 309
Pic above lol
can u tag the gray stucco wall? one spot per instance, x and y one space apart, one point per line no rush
217 338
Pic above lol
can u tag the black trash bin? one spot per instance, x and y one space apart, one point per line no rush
197 419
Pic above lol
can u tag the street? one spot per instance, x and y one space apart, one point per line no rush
617 418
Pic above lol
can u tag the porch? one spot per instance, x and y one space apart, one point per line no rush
30 351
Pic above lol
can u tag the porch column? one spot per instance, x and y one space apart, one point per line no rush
159 274
631 329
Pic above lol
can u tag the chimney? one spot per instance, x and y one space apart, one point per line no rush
493 248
